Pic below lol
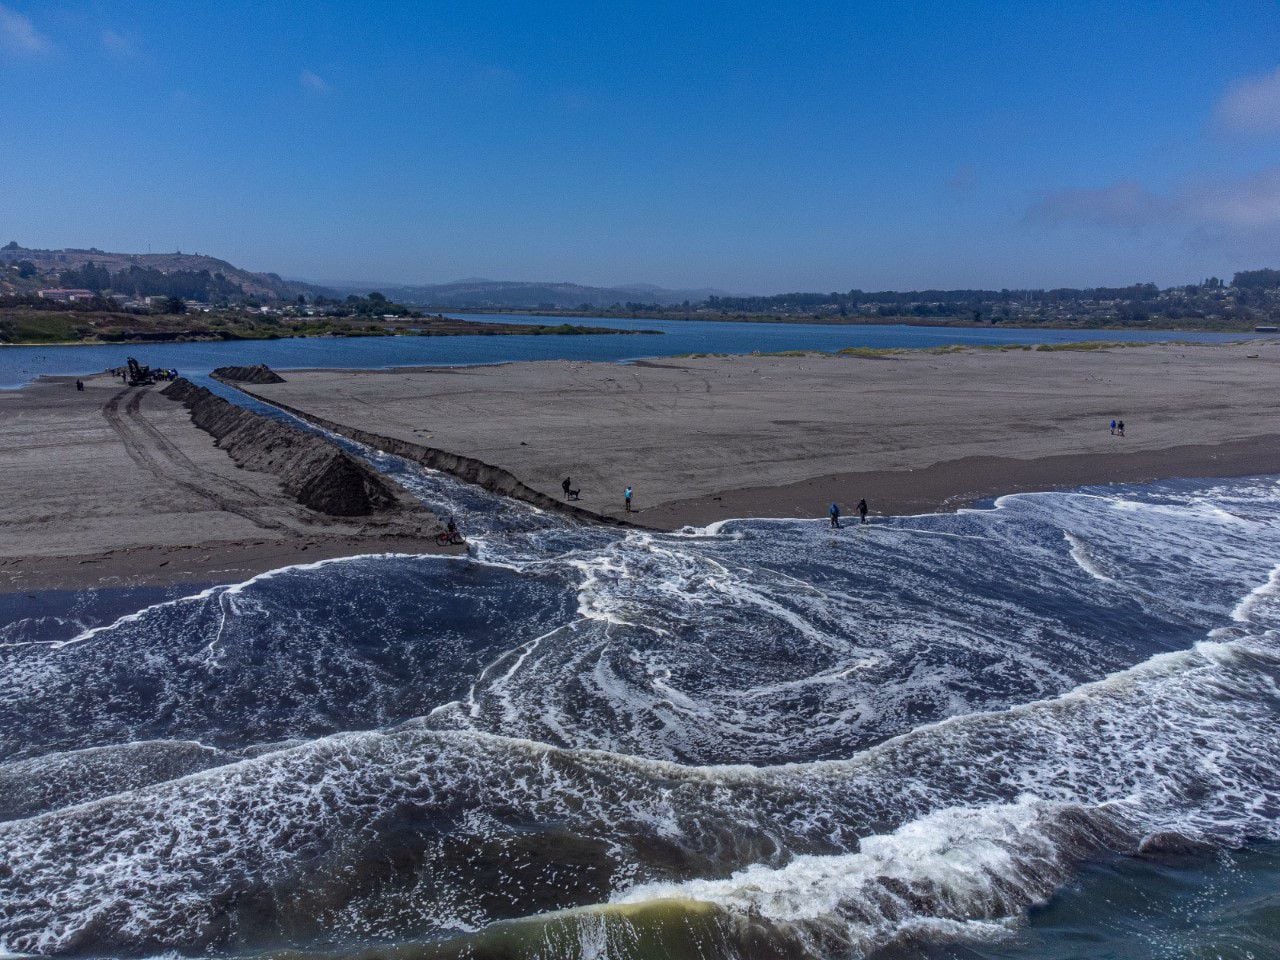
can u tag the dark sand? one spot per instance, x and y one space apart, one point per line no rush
707 439
118 488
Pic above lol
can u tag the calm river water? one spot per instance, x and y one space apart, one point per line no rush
19 365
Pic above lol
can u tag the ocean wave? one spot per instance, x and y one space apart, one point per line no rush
779 739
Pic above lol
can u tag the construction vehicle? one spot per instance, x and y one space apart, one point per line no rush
140 375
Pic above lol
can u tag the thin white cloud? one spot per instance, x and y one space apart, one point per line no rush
19 35
1250 203
1252 105
1125 203
313 82
117 43
1243 205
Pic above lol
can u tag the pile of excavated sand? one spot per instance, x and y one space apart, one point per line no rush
314 471
258 373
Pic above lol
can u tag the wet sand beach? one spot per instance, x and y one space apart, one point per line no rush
709 438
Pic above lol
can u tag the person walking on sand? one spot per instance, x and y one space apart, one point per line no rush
834 511
626 496
1113 427
862 509
1120 427
564 485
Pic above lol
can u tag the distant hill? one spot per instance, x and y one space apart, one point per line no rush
110 271
51 264
514 295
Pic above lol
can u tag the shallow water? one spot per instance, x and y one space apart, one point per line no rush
19 365
1039 726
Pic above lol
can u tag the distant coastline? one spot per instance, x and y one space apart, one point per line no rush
47 328
851 321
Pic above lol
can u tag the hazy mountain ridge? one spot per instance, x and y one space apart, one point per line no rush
468 293
1251 298
50 263
515 294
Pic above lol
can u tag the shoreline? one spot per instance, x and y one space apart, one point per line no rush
903 321
225 563
944 486
206 564
704 439
987 478
111 487
1232 338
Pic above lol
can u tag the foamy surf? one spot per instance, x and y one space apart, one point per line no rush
758 739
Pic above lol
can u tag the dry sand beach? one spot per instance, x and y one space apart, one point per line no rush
114 486
703 439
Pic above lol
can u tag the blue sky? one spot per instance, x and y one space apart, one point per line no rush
750 148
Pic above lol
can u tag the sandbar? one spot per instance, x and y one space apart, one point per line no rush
702 439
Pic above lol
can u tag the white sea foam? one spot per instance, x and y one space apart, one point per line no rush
978 865
1080 554
860 741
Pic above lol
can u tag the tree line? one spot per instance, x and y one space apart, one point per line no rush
139 281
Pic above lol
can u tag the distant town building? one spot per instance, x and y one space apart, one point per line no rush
68 296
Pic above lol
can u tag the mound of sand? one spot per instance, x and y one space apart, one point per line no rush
258 373
314 471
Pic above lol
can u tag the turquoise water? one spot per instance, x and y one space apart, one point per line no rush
19 365
1219 906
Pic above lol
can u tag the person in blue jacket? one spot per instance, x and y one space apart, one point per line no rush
834 510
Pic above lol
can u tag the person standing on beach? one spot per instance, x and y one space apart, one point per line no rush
1113 428
834 510
626 495
862 509
1120 427
564 485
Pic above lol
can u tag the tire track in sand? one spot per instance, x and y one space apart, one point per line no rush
156 454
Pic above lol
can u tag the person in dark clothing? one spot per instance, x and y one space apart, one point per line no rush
862 509
80 385
834 511
1120 427
564 485
626 495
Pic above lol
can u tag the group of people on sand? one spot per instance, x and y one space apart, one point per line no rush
834 512
570 493
1117 428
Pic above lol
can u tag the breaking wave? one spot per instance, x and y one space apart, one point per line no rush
763 738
